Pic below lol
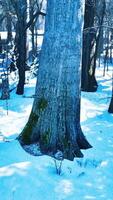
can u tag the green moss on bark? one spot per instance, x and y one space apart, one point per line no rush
33 119
45 138
26 133
42 104
65 143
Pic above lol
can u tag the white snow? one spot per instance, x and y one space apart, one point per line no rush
27 177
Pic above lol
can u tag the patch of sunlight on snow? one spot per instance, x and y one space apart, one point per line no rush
65 186
85 128
104 163
101 187
89 197
19 168
91 114
89 184
99 138
10 128
89 110
85 115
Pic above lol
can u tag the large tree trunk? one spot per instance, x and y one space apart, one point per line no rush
54 122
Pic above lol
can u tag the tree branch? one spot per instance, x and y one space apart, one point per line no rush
32 19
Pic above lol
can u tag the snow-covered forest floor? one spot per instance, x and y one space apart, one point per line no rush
27 177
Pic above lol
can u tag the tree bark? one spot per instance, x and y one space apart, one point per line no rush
110 110
91 43
9 28
89 83
5 88
54 122
21 59
32 28
21 45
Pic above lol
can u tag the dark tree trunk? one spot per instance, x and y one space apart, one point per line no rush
5 88
21 46
91 45
54 122
110 110
33 42
9 28
102 6
32 27
89 82
0 44
21 58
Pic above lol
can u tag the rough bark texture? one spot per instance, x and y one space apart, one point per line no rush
54 122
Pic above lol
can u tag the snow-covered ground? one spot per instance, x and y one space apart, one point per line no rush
27 177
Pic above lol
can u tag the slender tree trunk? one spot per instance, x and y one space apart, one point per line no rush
9 28
91 44
21 59
0 44
21 46
89 83
54 122
5 88
33 42
98 37
32 27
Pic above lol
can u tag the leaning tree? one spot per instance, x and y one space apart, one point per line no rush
54 122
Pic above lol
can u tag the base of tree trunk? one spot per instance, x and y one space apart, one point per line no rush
69 149
20 85
20 89
91 86
21 82
70 155
89 89
5 89
110 110
54 123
